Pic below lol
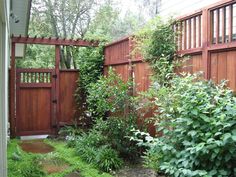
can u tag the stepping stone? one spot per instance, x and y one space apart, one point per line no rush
36 146
73 174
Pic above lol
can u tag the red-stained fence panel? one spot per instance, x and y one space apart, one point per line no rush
34 101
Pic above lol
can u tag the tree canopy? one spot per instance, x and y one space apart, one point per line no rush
103 20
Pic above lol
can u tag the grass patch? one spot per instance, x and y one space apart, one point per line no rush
22 164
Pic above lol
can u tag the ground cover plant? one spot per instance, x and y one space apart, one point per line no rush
23 164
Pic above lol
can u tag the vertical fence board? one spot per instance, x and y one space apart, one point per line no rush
231 69
214 64
222 66
67 104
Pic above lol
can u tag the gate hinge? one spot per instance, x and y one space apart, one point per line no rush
54 101
54 76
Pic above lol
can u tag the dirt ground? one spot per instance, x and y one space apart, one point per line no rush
136 171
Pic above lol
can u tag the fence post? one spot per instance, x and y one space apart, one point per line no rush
130 68
57 72
206 40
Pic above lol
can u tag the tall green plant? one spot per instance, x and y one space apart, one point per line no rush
198 122
90 64
157 44
109 94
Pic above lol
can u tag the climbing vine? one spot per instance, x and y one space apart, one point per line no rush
90 65
157 44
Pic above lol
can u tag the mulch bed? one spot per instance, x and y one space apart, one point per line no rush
36 146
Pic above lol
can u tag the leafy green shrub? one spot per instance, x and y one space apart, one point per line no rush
93 147
70 133
93 138
87 153
90 65
107 159
198 122
118 130
108 140
108 94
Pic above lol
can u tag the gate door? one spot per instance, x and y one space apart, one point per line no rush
34 101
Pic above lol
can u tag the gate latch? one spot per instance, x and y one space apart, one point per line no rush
54 101
54 76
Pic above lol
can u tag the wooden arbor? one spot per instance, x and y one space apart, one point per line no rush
48 79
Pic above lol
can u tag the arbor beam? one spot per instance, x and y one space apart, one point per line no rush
54 41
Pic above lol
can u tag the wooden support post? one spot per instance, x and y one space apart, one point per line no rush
206 39
13 92
57 73
130 68
130 75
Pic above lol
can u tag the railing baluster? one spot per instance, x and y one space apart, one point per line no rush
194 32
185 35
180 35
223 24
199 30
189 33
230 22
217 26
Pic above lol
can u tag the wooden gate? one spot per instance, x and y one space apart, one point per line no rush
35 104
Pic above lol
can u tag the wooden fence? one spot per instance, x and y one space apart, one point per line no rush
208 36
36 104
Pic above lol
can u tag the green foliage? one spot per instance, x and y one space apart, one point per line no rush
198 122
93 138
21 164
107 142
108 159
90 64
27 164
117 130
37 56
157 44
108 94
70 133
70 130
92 147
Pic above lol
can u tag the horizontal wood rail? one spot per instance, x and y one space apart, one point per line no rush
124 62
54 41
35 85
